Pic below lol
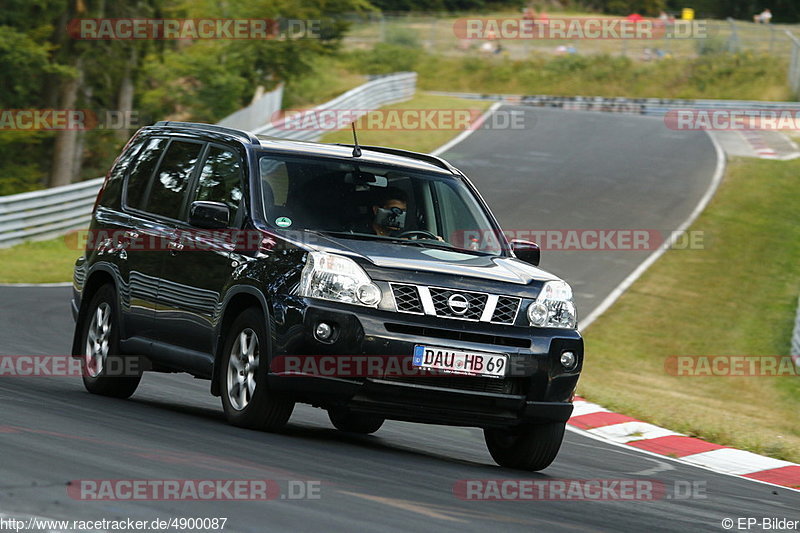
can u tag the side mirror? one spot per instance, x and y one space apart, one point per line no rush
526 251
209 215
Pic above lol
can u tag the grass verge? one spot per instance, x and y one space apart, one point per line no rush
737 296
418 140
743 76
49 261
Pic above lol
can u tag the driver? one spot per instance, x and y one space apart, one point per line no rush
389 212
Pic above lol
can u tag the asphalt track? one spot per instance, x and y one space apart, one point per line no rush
565 170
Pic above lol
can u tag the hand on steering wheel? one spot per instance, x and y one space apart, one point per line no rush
419 232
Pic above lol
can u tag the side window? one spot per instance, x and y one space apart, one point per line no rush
124 160
141 172
221 179
170 184
276 176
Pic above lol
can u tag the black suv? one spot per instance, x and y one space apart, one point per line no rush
371 282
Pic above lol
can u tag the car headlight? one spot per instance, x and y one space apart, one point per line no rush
553 307
337 278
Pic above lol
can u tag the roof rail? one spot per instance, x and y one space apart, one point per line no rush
249 137
432 159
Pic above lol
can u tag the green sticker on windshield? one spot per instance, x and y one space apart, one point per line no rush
283 222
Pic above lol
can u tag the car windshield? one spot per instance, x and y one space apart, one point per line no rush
367 201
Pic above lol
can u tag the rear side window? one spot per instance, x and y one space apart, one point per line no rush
170 185
123 162
221 179
141 172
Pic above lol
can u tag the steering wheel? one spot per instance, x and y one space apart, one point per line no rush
418 232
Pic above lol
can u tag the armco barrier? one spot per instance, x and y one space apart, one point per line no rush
258 113
48 213
45 214
372 95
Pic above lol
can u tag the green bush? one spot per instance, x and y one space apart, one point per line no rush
384 58
400 36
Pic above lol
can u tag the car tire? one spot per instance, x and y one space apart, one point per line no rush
246 398
531 447
100 349
350 422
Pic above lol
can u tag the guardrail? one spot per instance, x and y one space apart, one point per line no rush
259 112
45 214
379 92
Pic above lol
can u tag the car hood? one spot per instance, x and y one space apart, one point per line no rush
384 254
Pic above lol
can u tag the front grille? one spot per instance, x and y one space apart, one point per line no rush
466 383
505 312
468 336
441 303
406 298
455 304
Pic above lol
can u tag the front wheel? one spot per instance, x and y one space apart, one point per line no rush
531 447
105 371
246 399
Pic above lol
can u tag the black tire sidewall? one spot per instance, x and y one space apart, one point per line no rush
530 448
263 402
350 422
116 386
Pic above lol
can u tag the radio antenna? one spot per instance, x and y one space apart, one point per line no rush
356 148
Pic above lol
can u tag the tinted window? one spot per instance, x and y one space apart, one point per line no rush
169 188
221 179
141 172
374 201
125 159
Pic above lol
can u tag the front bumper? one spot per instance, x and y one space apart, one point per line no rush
538 389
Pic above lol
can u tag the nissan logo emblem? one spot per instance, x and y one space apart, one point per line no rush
458 304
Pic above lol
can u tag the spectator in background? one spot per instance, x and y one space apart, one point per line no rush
763 18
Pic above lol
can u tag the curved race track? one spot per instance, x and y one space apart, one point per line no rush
567 170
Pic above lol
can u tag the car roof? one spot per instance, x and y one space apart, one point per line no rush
369 154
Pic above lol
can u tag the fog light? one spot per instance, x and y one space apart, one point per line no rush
323 331
368 294
568 360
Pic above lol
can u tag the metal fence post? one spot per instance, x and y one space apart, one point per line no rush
795 349
733 40
794 65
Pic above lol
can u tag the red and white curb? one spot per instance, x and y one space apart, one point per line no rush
607 425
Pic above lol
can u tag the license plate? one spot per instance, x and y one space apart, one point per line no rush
489 365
